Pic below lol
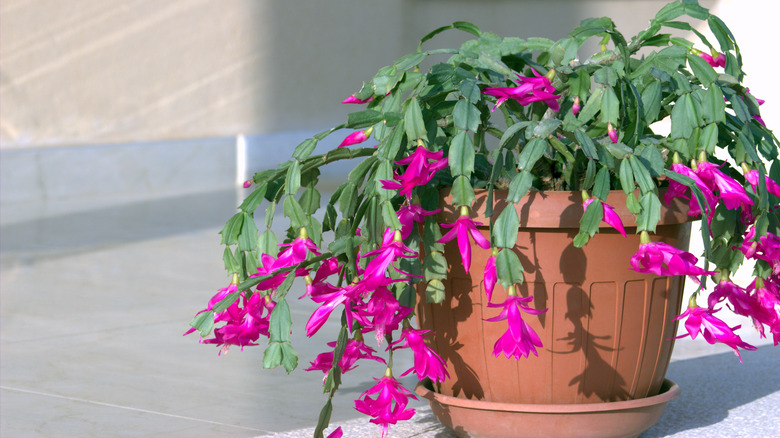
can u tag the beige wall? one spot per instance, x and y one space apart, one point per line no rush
95 71
103 71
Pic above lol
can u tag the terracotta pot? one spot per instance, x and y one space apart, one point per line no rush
607 330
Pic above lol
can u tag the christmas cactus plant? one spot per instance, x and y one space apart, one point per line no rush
512 115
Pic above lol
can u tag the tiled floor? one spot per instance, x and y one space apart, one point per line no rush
95 297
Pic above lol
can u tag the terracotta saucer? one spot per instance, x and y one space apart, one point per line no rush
484 419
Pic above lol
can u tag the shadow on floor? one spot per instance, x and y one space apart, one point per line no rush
122 223
714 385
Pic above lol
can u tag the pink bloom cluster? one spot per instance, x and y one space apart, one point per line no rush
716 186
249 316
370 306
529 90
390 403
766 248
760 302
421 165
660 258
354 351
245 320
700 320
772 187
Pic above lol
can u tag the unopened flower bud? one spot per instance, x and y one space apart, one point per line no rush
612 133
248 183
357 137
353 99
575 108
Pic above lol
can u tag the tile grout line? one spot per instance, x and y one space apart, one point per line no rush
111 405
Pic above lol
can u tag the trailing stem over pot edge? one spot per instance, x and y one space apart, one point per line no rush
516 115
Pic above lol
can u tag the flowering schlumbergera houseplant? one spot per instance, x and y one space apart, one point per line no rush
514 115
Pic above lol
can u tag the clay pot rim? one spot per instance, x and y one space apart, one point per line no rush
559 209
669 391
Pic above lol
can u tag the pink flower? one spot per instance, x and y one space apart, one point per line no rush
741 303
701 320
490 277
352 297
771 186
354 351
269 266
390 403
719 61
610 217
219 296
245 320
382 313
519 339
729 190
530 90
248 183
660 258
749 245
318 286
612 133
410 214
353 99
462 228
677 190
422 164
356 137
330 299
336 433
392 248
296 251
767 248
767 297
427 363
